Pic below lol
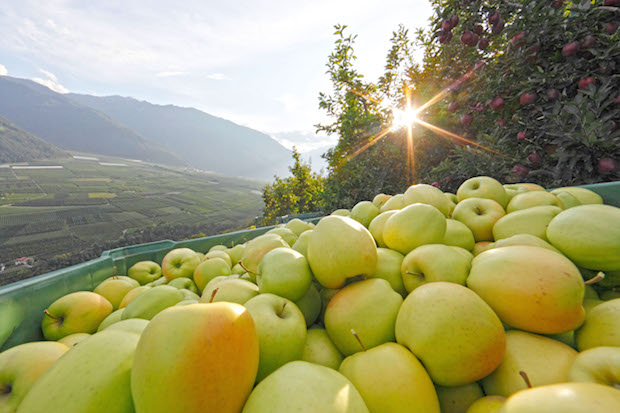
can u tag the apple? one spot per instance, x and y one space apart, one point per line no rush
133 325
453 332
480 247
569 200
428 194
522 239
479 215
364 212
88 378
301 245
218 279
145 272
514 189
159 281
180 262
237 269
584 195
231 290
435 262
73 339
180 304
114 317
281 329
79 312
530 288
340 248
20 368
395 202
380 199
114 289
236 253
287 235
483 187
601 328
218 247
151 302
256 248
412 226
597 365
565 398
189 295
196 358
342 212
532 221
309 388
218 254
589 235
320 349
184 283
133 293
531 199
458 235
378 224
391 379
208 270
297 226
370 308
487 404
284 272
389 263
457 399
546 361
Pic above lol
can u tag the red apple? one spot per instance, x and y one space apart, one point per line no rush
522 135
553 94
558 3
467 119
527 98
445 37
436 184
570 49
617 100
446 25
501 122
520 170
534 159
469 38
454 20
518 39
585 82
478 29
610 2
497 103
497 28
494 18
588 42
607 165
483 43
610 28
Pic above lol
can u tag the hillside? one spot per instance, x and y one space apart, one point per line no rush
206 142
17 145
58 120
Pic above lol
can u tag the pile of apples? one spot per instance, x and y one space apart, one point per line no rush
497 299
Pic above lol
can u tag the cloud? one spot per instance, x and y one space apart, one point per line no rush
51 81
170 74
3 71
217 76
304 141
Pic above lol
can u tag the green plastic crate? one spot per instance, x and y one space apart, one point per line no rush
22 303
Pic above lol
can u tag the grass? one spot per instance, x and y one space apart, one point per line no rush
45 213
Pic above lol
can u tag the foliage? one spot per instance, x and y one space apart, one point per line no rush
296 194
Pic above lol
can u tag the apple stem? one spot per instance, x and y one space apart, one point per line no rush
598 277
420 275
281 310
243 266
114 273
213 295
359 340
47 313
528 383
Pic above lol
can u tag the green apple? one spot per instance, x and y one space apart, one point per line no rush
301 245
458 399
546 361
181 303
133 325
184 283
479 215
208 270
585 196
427 194
256 249
391 379
565 398
220 278
480 247
483 187
218 247
281 330
458 235
532 199
610 295
114 289
452 197
530 186
340 248
435 262
297 226
487 404
133 294
589 235
533 221
567 338
590 303
145 272
284 272
189 295
287 235
79 312
310 305
601 328
20 368
597 365
231 290
89 378
73 339
326 296
320 349
522 239
370 308
237 269
309 388
455 334
395 202
218 254
569 200
378 224
159 281
341 212
389 263
115 317
151 302
412 226
514 189
196 358
380 199
364 212
236 253
200 255
180 262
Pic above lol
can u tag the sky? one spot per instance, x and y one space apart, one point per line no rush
257 63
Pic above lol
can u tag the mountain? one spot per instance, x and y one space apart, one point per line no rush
314 157
17 145
58 120
206 142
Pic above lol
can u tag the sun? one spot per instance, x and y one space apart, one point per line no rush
403 118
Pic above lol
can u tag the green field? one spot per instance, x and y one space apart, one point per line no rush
48 212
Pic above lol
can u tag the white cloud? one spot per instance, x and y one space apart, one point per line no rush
217 76
170 74
3 71
51 81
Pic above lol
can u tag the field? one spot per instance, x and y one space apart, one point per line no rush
46 212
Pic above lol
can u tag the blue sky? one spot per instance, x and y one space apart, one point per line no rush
257 63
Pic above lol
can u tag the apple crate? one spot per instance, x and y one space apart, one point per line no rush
22 303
